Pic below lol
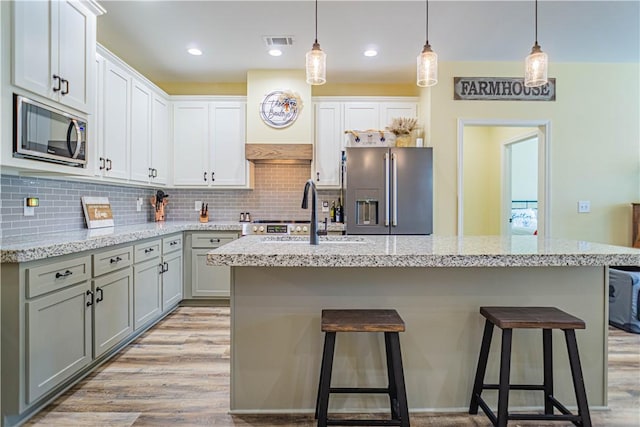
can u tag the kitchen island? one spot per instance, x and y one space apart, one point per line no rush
437 284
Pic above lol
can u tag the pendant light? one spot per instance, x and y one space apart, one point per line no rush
316 61
427 60
536 64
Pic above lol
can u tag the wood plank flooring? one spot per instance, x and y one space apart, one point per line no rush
177 374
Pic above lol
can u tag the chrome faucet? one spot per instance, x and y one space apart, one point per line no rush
313 229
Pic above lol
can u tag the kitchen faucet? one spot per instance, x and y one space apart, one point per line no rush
313 229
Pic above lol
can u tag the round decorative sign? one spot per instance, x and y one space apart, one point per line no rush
280 109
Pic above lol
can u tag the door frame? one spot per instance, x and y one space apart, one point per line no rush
544 166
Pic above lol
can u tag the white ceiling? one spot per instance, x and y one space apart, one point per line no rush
152 36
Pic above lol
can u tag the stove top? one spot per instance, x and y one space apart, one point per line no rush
280 221
276 227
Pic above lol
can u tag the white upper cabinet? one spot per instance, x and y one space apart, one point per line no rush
227 139
361 115
141 99
54 46
391 110
208 144
328 146
114 161
190 144
160 138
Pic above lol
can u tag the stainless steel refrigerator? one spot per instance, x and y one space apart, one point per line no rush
389 190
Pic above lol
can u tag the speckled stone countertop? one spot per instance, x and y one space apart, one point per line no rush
419 251
39 246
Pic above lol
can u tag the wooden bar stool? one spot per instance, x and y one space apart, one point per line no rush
547 319
358 320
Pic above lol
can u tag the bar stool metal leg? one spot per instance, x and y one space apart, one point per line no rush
393 391
325 378
547 350
578 380
396 356
482 367
505 370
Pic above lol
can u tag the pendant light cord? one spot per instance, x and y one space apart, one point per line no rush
316 40
536 14
427 21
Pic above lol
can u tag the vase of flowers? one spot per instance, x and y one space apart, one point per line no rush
402 127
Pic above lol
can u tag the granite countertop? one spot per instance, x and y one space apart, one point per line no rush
419 251
39 246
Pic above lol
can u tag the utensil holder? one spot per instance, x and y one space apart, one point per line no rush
204 218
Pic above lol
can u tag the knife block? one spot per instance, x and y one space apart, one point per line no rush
159 209
204 218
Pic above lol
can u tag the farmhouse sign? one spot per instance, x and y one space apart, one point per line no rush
501 89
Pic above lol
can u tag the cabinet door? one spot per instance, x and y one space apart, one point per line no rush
208 280
116 121
146 292
113 312
190 144
32 32
361 116
328 144
140 132
76 47
160 140
391 110
96 121
172 280
58 338
227 139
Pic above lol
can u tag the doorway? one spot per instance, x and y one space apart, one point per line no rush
498 194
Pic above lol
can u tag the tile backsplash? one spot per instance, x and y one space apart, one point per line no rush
277 194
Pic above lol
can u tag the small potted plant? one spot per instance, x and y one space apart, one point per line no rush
402 127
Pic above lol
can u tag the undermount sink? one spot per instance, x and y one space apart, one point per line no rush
305 239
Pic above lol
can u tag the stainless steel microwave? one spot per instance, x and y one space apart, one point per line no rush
45 133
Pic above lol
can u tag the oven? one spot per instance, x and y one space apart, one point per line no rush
276 227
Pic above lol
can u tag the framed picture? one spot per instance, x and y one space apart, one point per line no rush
97 212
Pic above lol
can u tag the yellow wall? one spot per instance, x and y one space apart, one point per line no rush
594 146
196 88
260 83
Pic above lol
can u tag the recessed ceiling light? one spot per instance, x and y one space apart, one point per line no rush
370 52
194 51
275 52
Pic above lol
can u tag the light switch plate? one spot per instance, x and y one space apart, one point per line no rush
584 206
325 206
198 205
28 211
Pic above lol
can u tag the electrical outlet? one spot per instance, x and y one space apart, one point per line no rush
325 206
198 205
139 204
584 206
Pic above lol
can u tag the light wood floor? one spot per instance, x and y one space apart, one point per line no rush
178 374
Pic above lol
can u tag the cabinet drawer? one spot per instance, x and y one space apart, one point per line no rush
56 275
171 244
145 251
115 259
209 240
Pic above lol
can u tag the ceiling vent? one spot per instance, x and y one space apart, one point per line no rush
278 41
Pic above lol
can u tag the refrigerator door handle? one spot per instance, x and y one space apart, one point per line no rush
386 189
394 168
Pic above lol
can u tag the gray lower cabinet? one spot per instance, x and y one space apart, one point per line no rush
147 291
208 281
58 338
113 309
172 271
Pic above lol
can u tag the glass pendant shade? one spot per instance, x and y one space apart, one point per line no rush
427 67
536 65
316 65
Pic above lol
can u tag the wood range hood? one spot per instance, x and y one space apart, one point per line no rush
279 153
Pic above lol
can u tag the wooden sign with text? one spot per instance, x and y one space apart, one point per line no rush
501 89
